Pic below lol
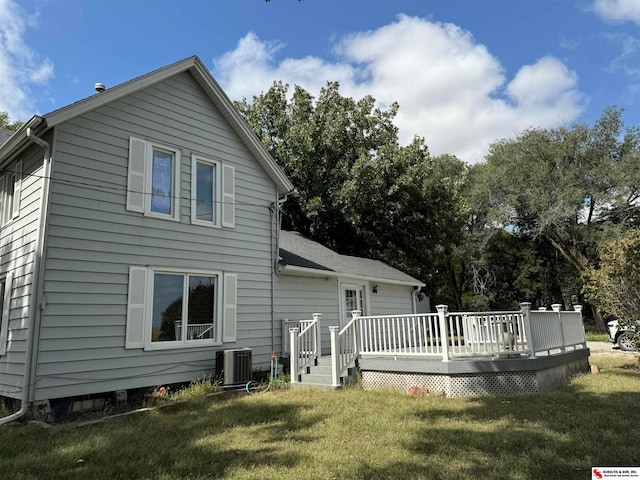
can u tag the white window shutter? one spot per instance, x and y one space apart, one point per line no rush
6 309
176 184
16 191
135 175
136 303
3 180
194 180
228 196
230 307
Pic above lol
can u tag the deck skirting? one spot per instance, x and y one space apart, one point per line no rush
475 377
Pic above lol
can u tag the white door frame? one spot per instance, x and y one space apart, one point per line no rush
362 289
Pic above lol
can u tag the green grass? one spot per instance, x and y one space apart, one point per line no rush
351 434
596 337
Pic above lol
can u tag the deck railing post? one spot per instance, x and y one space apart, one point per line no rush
525 309
444 331
335 356
316 334
293 356
355 314
556 308
578 308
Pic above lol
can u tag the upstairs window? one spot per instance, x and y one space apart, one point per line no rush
162 166
11 183
205 191
153 186
212 193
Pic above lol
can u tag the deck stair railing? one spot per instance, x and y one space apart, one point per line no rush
304 342
344 347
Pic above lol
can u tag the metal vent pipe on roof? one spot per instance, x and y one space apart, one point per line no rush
100 87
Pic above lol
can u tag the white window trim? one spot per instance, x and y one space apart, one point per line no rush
182 344
217 213
344 284
139 178
11 212
175 201
6 310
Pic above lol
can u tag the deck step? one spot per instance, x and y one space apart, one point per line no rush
318 386
324 361
315 378
319 376
321 370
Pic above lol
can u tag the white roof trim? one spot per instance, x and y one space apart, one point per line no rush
202 75
313 272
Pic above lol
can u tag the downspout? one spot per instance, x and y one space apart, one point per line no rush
38 279
275 210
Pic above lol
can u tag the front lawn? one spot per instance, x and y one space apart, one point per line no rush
351 434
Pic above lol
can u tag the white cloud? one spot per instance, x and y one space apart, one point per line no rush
21 68
252 68
451 89
627 60
618 10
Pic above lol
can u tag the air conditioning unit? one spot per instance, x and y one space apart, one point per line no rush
234 366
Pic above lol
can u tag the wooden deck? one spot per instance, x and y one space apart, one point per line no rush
463 353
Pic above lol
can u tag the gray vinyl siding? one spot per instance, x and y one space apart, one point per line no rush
18 240
92 241
298 297
391 300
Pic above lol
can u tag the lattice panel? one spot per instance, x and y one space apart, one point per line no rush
490 383
404 381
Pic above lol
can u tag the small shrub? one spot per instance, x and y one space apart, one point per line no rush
197 389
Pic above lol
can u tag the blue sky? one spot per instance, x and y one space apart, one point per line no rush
465 72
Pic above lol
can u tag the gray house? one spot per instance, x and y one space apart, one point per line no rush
314 279
139 232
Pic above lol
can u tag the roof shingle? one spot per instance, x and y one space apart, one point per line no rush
5 135
297 250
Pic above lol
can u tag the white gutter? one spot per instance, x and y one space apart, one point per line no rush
15 144
38 278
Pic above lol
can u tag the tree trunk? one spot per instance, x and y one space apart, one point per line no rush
581 263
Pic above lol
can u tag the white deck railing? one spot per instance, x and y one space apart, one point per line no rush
195 331
304 342
412 335
478 334
457 335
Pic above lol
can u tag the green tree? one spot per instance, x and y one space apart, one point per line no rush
7 124
408 209
575 187
615 285
359 192
317 143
